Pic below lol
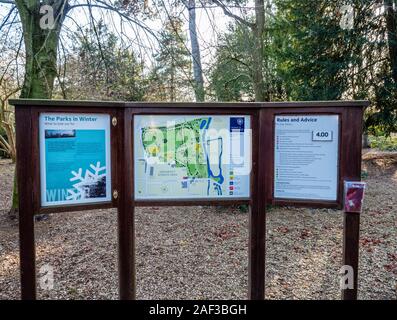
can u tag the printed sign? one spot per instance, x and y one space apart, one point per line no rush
354 196
306 157
192 157
74 158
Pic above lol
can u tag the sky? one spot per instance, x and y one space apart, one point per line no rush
210 24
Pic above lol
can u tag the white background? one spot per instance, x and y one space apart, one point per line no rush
303 168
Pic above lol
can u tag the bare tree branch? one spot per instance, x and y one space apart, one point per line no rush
7 17
104 5
232 15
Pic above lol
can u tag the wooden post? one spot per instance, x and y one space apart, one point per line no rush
257 215
26 209
351 226
125 209
261 179
351 170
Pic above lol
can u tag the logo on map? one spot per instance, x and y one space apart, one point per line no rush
237 124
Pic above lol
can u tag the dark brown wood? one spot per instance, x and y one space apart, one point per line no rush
75 109
262 120
351 170
351 146
267 119
43 103
256 248
351 238
36 160
271 113
126 208
193 111
350 131
159 109
257 215
26 203
34 103
193 202
115 150
76 207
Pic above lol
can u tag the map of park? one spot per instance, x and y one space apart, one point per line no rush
189 156
180 144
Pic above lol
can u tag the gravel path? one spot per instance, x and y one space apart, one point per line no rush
201 252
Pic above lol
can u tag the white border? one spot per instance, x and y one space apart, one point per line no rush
337 141
43 181
188 197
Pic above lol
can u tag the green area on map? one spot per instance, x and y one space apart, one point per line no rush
180 144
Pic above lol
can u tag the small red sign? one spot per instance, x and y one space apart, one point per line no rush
354 196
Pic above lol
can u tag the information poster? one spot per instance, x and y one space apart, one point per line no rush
74 158
306 157
192 157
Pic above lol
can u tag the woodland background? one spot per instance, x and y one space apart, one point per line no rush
156 50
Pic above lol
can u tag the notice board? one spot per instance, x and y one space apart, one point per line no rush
306 150
75 166
192 157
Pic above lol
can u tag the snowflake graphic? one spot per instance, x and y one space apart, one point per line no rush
81 189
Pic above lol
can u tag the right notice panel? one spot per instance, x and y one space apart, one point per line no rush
306 157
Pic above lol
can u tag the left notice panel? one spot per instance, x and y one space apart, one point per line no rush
75 158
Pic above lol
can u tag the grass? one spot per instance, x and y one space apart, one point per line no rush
383 143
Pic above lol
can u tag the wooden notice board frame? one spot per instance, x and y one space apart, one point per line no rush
122 167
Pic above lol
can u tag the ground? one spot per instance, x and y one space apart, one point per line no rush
201 252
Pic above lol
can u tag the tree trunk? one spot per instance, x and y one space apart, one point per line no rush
197 68
41 46
391 25
172 81
257 67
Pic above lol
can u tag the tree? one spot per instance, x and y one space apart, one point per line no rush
231 75
171 79
196 56
387 94
310 50
10 85
41 38
232 72
318 58
7 142
104 70
42 23
391 28
257 28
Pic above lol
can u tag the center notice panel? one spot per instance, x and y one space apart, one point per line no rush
192 157
306 157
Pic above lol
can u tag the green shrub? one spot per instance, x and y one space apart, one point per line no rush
383 143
